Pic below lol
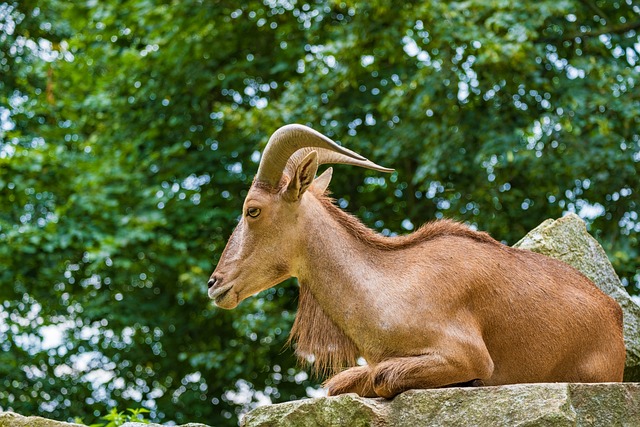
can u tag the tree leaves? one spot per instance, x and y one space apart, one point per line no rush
130 132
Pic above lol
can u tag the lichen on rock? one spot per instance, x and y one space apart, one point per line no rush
11 419
556 404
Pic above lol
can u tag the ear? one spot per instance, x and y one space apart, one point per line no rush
303 177
320 184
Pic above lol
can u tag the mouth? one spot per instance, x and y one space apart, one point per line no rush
220 297
219 293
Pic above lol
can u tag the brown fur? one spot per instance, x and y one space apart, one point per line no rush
428 231
266 187
387 377
318 336
313 330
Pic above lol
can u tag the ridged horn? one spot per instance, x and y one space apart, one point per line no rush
288 139
329 157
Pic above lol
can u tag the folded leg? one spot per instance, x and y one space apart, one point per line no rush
398 374
353 380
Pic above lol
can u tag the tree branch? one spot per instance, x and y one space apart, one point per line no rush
596 9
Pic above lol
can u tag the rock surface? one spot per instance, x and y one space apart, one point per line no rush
130 424
557 404
568 240
11 419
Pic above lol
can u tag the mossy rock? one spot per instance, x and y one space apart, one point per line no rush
557 404
11 419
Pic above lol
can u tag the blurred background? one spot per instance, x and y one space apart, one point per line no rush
130 132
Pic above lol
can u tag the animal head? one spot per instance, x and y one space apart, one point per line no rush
264 247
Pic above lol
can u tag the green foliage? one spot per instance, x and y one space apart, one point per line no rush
130 132
116 419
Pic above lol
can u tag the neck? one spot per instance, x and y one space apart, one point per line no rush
338 277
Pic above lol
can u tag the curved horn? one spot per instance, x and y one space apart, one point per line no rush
326 156
290 138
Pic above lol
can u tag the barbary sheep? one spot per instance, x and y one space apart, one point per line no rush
442 306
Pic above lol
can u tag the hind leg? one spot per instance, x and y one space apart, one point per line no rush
599 367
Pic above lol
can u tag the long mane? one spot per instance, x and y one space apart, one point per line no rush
428 231
319 340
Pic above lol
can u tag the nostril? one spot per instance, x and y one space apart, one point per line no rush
211 283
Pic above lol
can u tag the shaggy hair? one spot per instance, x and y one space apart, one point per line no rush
429 231
319 340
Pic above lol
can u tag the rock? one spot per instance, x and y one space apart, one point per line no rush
557 404
11 419
344 410
132 424
568 240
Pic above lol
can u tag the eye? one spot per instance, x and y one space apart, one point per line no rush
253 212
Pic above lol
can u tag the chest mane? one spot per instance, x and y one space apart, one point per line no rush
318 339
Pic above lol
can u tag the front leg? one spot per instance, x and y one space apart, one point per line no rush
352 380
433 370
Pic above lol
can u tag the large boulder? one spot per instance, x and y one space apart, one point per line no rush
568 240
557 404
